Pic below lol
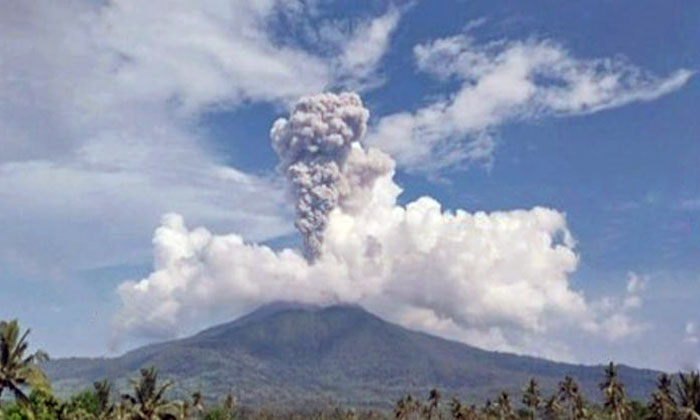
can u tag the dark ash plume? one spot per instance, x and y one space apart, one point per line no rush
313 145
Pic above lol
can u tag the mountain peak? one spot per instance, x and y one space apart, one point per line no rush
272 308
268 311
259 314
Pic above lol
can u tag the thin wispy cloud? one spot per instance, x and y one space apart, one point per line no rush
501 82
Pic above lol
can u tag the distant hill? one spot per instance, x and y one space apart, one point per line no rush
295 355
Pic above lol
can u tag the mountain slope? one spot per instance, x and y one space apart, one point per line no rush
288 354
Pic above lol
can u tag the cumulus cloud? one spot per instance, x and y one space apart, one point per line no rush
100 120
497 279
506 81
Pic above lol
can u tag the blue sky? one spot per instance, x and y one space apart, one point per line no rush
107 125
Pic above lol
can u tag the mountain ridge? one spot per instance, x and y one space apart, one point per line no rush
289 353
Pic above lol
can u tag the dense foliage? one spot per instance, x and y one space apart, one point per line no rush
675 398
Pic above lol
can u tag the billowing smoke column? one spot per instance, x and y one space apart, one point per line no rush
319 150
499 280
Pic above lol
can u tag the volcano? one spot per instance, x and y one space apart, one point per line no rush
292 355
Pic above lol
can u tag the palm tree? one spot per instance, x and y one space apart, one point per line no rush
19 369
230 405
148 401
572 399
580 411
463 412
568 389
457 409
489 410
103 391
531 397
405 407
614 394
433 409
122 411
505 408
689 395
186 405
552 409
662 405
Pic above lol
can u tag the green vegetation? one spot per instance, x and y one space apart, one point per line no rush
18 368
293 357
666 403
149 398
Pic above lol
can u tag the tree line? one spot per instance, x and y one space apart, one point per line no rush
25 394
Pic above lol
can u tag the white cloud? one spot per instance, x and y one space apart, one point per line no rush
99 120
499 280
506 81
225 57
636 285
90 215
615 316
504 273
364 49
